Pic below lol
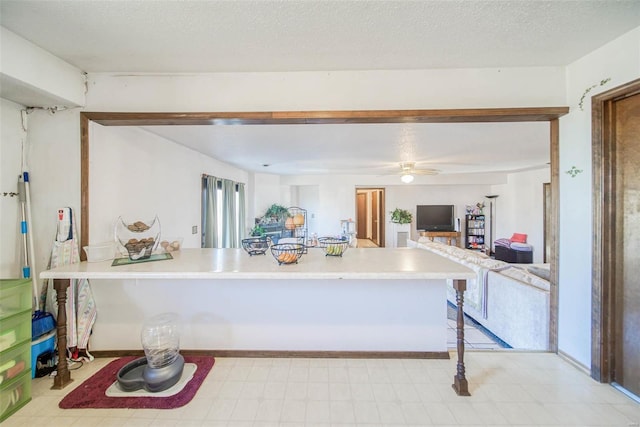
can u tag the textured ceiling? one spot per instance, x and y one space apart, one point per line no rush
451 149
181 36
212 36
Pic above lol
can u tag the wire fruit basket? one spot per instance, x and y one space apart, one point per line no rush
287 253
333 246
256 245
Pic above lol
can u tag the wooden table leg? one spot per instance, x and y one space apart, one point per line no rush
460 384
63 377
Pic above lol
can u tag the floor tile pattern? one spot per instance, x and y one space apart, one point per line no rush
508 388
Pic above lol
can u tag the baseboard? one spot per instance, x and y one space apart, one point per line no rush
579 366
291 354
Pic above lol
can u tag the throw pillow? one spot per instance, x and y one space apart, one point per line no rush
519 238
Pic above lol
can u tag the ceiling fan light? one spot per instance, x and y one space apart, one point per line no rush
406 178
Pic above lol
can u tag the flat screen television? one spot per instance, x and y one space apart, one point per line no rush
435 218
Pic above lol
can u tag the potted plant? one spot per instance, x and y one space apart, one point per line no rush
401 216
276 213
257 231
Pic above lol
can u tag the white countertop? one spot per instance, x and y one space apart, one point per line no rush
356 263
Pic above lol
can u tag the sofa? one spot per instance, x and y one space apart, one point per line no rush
510 300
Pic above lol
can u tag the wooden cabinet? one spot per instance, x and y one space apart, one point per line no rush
449 235
474 232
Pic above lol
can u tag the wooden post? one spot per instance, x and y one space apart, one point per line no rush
63 376
460 384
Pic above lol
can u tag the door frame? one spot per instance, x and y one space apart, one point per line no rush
369 212
604 247
471 115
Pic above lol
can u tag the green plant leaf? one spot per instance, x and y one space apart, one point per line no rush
401 216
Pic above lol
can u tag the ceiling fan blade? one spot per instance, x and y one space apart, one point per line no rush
425 172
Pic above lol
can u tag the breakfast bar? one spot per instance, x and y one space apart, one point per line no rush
386 302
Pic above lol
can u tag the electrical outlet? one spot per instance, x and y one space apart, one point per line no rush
194 229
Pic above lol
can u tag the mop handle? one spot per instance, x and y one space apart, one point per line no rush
32 256
26 272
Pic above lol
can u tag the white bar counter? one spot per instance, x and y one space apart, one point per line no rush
356 263
376 300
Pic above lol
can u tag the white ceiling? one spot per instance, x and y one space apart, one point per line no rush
254 36
173 36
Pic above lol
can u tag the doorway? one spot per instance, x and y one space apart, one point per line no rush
479 115
616 248
370 217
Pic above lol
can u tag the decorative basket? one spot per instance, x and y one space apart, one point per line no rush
287 253
256 245
333 246
139 238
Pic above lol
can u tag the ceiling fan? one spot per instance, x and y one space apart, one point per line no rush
408 170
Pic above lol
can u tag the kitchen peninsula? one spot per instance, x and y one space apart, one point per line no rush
370 302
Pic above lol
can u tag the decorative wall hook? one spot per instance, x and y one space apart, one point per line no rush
574 171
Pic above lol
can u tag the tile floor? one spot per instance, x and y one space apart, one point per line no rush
508 388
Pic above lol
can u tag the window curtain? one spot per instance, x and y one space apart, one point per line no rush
210 202
223 213
241 215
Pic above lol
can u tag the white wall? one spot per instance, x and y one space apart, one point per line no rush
267 190
308 197
334 90
138 175
520 208
32 76
12 138
620 61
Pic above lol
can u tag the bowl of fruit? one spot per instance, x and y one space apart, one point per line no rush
333 246
287 253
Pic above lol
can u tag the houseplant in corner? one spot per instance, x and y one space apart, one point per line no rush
401 218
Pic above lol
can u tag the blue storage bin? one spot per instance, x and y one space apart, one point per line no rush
44 344
41 323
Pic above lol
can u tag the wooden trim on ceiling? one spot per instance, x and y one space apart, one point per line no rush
489 115
329 117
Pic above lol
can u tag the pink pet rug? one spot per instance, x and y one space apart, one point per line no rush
91 393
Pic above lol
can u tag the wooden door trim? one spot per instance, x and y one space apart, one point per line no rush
476 115
604 236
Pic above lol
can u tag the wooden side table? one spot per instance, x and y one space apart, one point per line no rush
449 235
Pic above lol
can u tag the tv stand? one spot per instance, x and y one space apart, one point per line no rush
449 235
